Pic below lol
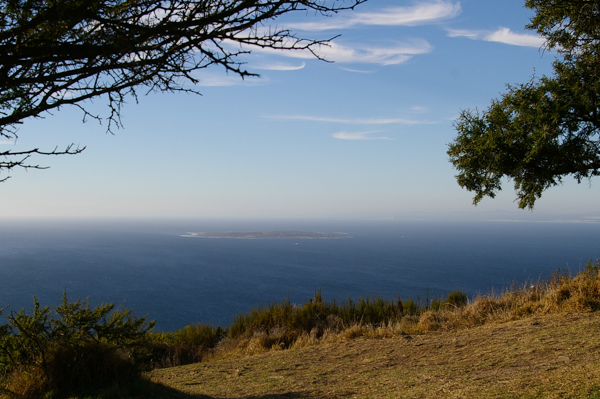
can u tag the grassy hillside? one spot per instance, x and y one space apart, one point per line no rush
535 340
551 356
538 340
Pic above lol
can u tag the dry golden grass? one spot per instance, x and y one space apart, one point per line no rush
550 356
562 293
536 341
533 341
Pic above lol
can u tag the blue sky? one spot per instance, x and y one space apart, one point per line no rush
364 136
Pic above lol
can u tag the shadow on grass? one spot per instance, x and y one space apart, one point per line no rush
153 390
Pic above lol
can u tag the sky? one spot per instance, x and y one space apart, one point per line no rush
364 136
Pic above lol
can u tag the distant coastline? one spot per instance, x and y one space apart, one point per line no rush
251 235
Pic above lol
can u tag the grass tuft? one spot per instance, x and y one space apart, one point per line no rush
564 292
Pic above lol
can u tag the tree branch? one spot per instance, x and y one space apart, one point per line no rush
61 53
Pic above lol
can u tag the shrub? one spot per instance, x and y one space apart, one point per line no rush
457 298
410 307
78 350
284 322
187 345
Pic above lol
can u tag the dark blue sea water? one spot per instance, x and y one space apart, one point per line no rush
149 267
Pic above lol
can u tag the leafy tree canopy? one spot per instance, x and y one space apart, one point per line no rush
55 53
540 131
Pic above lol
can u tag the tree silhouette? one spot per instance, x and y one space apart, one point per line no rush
55 53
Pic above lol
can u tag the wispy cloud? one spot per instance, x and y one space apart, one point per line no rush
214 80
504 35
469 34
359 136
391 55
374 55
6 142
418 108
420 14
355 70
280 66
501 35
349 121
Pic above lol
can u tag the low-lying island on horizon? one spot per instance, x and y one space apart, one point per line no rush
249 235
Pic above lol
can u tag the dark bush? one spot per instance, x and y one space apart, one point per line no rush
457 298
78 350
185 346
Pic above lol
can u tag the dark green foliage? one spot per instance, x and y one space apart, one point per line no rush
592 269
188 345
454 299
437 304
201 335
78 349
411 307
543 130
573 26
318 314
457 298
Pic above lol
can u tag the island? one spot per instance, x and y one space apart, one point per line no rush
250 235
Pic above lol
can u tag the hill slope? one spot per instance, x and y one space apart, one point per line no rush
551 356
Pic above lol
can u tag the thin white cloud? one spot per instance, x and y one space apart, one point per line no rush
418 108
214 80
64 94
280 66
348 121
6 142
359 136
373 55
355 70
361 54
469 34
420 14
502 35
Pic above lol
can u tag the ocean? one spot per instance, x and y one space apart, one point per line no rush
151 268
